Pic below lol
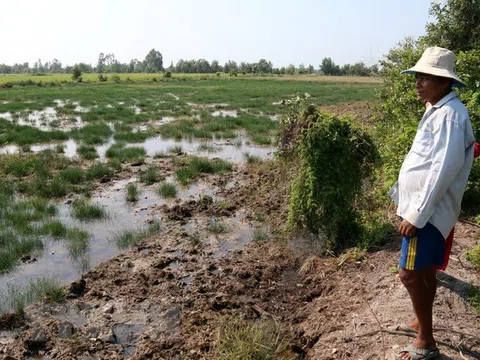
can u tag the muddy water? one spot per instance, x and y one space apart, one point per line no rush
55 261
47 119
230 150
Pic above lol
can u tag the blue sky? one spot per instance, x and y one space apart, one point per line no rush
284 32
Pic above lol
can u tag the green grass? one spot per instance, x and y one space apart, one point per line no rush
218 226
260 234
77 242
197 165
87 152
84 211
263 339
121 152
176 149
251 159
167 190
131 237
207 147
16 298
474 297
98 171
132 136
93 134
132 192
54 228
149 176
72 175
473 255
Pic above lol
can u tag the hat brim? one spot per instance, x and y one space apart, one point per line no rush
436 72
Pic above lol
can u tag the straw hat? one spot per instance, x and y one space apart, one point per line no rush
439 62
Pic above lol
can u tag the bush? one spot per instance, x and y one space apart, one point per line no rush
116 78
76 73
323 195
167 190
167 75
102 78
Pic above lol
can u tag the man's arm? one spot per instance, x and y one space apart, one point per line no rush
447 160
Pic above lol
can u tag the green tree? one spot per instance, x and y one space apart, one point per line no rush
328 67
76 73
456 26
153 61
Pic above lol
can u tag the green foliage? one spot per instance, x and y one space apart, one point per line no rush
16 298
132 192
196 165
149 176
332 158
72 175
473 255
84 211
260 234
167 190
264 339
87 152
121 152
132 237
474 297
98 171
76 73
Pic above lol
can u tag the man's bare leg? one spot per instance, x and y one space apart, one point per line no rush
421 285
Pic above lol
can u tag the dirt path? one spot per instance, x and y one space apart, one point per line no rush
165 298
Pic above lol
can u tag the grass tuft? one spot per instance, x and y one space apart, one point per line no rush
260 234
150 176
131 237
84 211
167 190
87 152
218 227
473 255
242 339
132 192
196 165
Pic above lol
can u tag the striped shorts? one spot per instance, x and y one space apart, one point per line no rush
425 249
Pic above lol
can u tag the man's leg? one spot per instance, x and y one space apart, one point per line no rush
430 280
421 285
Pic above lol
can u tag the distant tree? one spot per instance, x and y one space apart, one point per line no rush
374 69
302 69
290 70
216 67
230 66
101 63
310 69
328 67
55 66
202 66
76 73
264 66
153 61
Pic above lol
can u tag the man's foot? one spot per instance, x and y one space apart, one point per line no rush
411 327
417 353
420 350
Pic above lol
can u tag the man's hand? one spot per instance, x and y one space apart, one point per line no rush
407 229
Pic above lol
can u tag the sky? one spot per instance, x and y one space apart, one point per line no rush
282 31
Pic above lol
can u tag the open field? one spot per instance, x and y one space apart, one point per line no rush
162 204
142 77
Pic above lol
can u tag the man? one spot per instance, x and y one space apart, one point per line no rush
430 188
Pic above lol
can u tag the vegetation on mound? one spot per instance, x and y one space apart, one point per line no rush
149 176
473 255
123 153
264 339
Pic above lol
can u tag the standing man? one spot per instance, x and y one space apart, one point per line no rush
430 188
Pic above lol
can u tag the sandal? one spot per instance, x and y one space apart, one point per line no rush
418 353
402 327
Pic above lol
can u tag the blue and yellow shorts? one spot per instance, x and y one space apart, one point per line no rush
425 249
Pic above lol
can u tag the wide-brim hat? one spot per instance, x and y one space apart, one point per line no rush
437 61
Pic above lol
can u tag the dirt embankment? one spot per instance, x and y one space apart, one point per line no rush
166 297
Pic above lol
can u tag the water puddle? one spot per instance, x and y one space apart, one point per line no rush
225 113
46 120
164 120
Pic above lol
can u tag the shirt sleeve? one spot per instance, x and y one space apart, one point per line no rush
448 157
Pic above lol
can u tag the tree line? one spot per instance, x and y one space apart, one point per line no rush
153 63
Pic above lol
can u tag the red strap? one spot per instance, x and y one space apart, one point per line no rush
476 151
448 250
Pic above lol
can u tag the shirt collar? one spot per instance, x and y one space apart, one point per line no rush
445 99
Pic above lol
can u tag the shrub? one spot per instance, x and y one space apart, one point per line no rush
102 78
76 73
167 75
115 78
98 171
87 152
149 176
73 175
322 195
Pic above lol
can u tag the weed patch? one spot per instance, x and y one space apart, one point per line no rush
167 190
84 211
132 237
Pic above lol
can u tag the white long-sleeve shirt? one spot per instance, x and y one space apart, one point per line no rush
434 174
